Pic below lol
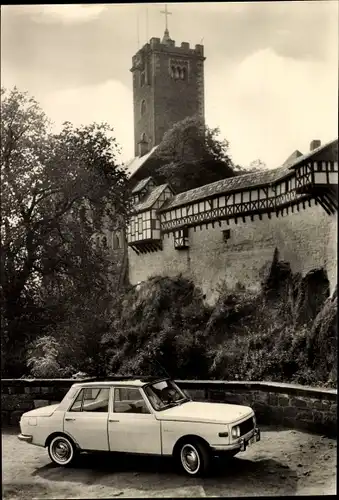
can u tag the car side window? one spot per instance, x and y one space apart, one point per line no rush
129 400
76 406
91 399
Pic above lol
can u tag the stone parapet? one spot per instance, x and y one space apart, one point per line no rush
295 406
305 408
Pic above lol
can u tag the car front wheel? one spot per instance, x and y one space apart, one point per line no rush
62 451
194 458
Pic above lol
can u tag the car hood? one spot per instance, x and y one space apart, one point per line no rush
44 411
218 413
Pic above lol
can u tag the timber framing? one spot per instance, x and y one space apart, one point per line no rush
146 246
310 178
286 189
238 211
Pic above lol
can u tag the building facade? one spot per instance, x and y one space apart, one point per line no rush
227 231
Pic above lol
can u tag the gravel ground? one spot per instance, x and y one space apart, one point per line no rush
284 462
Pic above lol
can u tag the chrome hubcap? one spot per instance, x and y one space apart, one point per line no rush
190 458
61 450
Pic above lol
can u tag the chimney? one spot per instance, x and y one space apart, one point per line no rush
315 144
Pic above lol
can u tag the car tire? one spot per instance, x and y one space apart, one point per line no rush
193 458
62 451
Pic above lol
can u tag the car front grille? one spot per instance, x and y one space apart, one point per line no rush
246 426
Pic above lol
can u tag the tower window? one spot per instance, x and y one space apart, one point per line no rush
178 69
143 107
142 78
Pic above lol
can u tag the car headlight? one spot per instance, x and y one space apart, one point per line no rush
32 421
235 431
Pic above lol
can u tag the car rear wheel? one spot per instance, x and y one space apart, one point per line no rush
62 450
194 458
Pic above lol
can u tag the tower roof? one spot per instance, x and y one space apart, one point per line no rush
166 38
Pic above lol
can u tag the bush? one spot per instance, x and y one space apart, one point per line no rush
165 327
43 358
160 330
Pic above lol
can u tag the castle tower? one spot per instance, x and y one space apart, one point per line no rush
168 86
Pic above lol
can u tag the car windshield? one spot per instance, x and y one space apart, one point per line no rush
165 394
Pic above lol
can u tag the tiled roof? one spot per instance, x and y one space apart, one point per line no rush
308 155
241 182
134 164
141 184
236 183
151 198
292 158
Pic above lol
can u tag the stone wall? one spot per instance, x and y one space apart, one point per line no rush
288 405
295 406
21 395
306 239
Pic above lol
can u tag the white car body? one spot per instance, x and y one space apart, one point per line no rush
151 432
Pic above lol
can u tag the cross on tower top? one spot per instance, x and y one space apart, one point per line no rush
167 13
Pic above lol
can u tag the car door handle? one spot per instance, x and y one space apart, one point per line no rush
112 420
70 419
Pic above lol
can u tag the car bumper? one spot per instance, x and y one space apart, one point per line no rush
250 438
25 437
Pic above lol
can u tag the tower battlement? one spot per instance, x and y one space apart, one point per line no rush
169 45
155 45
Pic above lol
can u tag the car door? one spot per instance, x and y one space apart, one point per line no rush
86 419
132 427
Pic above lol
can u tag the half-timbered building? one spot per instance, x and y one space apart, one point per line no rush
228 230
293 207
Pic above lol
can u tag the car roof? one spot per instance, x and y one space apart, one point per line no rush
119 381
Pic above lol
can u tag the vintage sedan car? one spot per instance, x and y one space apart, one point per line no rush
139 416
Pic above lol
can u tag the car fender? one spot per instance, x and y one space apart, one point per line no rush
172 431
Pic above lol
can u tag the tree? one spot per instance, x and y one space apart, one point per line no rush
58 190
191 155
255 166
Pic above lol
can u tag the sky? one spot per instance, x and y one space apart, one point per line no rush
271 69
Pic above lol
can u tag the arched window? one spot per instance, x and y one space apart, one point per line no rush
143 107
183 73
143 137
172 71
116 241
104 242
142 78
177 72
